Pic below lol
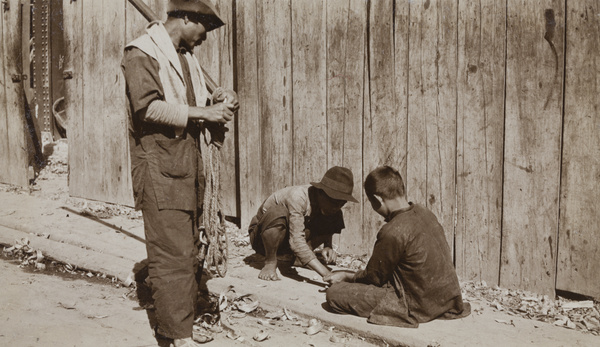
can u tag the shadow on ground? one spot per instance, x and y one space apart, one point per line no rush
207 305
286 268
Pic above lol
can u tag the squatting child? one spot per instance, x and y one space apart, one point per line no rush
410 277
298 219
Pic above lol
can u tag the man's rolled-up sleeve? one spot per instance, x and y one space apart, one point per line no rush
146 94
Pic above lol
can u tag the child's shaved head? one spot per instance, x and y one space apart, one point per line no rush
385 182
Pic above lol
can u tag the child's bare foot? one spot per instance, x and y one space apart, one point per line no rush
268 272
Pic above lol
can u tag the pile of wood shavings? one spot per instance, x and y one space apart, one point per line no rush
577 315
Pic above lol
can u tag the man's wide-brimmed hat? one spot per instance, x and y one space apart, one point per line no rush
337 183
203 8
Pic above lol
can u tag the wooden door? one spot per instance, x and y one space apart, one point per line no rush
14 158
95 101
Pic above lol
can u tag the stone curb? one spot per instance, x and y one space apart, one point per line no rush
85 259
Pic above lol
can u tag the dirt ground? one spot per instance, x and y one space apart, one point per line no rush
60 306
47 310
54 308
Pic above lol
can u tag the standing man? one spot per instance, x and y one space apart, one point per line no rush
170 111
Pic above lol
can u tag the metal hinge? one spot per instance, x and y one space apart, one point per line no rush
16 78
6 5
67 74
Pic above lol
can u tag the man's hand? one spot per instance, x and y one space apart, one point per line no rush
219 113
227 96
329 254
340 276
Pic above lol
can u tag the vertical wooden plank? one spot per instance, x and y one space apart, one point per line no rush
384 132
116 156
135 22
159 7
346 33
480 143
401 75
209 53
248 120
73 36
26 56
578 253
432 109
216 57
309 90
226 67
92 126
275 98
16 157
534 79
17 145
416 182
4 153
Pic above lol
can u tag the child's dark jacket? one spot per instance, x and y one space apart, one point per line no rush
411 254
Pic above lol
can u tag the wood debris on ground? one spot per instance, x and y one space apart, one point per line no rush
352 262
56 162
234 307
22 251
577 315
582 315
103 210
237 236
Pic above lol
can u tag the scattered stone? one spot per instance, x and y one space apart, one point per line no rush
505 322
314 326
578 304
261 336
68 306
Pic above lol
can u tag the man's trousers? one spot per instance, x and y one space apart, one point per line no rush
171 244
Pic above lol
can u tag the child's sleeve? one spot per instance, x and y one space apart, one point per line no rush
386 256
298 243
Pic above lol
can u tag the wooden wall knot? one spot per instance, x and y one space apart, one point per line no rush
549 37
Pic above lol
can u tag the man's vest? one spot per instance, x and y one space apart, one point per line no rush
172 163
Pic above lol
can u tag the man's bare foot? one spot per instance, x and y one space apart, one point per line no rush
268 272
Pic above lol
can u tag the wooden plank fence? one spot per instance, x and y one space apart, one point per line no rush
488 108
480 138
579 223
533 124
14 147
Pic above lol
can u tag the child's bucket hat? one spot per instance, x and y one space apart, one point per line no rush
337 183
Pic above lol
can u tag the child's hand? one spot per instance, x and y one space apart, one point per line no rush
329 254
339 276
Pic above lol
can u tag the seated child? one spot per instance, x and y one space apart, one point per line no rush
410 278
296 220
